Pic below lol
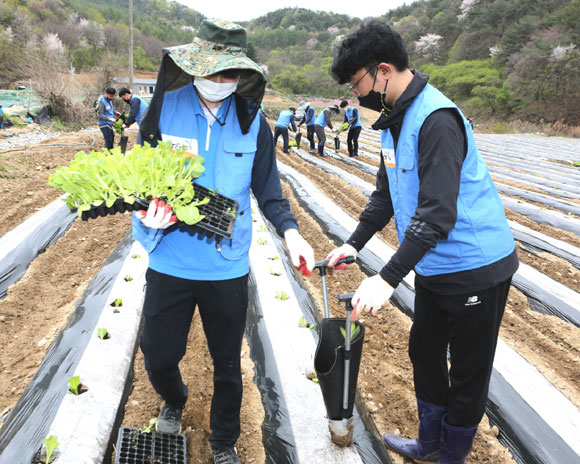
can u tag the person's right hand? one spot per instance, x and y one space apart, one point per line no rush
339 253
158 215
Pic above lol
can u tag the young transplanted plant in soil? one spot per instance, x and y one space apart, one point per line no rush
143 173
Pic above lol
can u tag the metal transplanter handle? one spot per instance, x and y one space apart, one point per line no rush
322 266
346 298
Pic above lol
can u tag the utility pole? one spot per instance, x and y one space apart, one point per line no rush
131 45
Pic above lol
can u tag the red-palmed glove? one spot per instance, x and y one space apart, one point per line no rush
301 253
371 295
343 251
158 215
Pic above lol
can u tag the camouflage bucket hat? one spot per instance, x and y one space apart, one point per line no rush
218 46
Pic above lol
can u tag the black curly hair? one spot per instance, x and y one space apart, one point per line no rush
372 43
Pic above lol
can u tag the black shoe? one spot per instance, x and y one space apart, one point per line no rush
225 456
169 419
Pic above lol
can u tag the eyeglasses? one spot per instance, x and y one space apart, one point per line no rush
353 86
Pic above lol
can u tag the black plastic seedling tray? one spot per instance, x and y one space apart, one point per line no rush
137 447
220 213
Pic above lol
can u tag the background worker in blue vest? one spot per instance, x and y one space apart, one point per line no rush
321 122
452 231
352 117
285 119
138 107
309 119
214 114
1 118
106 116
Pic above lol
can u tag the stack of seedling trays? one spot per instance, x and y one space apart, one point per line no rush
137 447
220 213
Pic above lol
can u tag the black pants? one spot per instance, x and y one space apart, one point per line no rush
109 136
283 131
310 136
168 308
352 140
321 138
469 324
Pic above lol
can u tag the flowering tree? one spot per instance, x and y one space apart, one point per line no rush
428 46
465 6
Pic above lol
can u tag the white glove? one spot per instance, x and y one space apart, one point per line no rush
158 216
301 253
370 296
338 253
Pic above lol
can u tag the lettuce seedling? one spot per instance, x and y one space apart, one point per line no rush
50 443
147 428
261 241
102 333
136 256
128 278
303 323
74 384
118 302
354 331
282 296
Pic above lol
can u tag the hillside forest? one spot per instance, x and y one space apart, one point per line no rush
499 59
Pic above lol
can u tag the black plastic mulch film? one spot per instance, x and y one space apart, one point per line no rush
220 213
137 447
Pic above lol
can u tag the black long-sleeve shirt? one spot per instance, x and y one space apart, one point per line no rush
442 147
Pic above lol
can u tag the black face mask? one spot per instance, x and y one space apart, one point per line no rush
376 101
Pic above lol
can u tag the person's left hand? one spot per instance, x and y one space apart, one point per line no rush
301 253
117 113
370 296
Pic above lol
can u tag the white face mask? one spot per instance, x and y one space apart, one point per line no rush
214 91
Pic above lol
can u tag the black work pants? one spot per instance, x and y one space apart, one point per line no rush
283 131
310 136
168 308
108 135
321 138
352 140
469 325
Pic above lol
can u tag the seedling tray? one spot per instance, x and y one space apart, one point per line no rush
220 213
137 447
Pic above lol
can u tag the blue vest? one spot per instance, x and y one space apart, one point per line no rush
349 116
310 116
228 161
284 119
142 107
109 112
481 234
321 119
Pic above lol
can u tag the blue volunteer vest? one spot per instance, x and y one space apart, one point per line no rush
481 234
321 119
142 107
349 116
228 161
310 116
284 119
108 113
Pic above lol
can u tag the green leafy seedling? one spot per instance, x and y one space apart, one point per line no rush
262 229
74 384
303 323
118 302
576 164
51 443
148 428
136 256
274 272
282 296
102 333
354 331
231 212
312 376
261 241
128 278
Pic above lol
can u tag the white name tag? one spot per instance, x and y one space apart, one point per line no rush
389 157
178 142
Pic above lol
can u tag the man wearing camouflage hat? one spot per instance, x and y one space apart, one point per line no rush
207 99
